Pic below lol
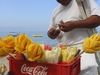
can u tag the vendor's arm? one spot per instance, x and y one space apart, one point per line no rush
91 22
53 30
53 33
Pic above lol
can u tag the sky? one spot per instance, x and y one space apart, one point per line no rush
27 14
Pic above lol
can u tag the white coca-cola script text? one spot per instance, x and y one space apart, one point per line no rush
37 70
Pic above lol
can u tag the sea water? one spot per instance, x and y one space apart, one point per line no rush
4 31
41 40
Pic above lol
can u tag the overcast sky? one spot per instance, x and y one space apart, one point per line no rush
27 13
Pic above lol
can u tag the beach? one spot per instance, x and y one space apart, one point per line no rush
5 61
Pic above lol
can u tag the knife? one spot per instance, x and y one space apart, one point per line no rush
78 51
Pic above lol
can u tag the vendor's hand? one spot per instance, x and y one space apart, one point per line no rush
67 26
53 33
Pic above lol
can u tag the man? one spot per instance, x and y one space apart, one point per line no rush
69 28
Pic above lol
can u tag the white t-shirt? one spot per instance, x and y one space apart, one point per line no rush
75 37
71 13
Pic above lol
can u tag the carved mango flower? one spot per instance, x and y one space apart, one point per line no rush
21 42
9 44
34 52
3 53
91 44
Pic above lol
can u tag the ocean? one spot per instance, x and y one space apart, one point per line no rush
44 39
4 31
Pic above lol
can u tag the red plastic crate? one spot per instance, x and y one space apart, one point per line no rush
24 67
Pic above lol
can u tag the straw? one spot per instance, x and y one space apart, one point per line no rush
11 55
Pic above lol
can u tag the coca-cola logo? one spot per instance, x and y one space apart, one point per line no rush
37 70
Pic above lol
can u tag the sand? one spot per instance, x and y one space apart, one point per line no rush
5 61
